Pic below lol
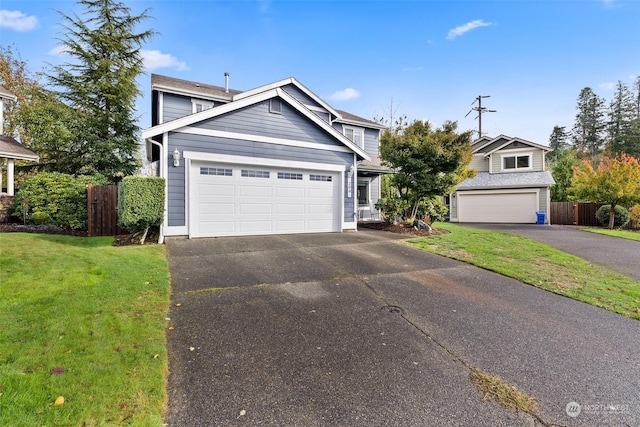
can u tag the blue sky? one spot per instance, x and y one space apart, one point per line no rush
431 59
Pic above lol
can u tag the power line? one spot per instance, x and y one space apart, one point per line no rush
480 109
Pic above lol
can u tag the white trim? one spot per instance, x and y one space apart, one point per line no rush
204 102
501 191
265 139
260 161
279 84
182 122
176 230
205 115
354 129
349 226
6 155
160 107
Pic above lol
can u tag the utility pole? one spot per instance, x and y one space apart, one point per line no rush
480 109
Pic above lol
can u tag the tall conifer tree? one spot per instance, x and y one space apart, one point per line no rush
100 85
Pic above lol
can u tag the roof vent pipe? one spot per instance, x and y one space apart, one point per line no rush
226 82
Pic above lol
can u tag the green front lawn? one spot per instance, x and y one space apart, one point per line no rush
84 321
625 234
536 264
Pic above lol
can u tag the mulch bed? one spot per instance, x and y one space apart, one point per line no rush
400 229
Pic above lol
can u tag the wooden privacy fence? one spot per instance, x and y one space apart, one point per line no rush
102 210
574 213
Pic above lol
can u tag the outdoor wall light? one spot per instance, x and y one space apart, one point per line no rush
176 158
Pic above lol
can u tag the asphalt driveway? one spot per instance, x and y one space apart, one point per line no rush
357 329
621 255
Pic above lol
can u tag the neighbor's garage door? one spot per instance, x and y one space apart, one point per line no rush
498 207
235 200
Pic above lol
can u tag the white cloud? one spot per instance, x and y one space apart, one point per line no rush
469 26
345 94
154 59
16 20
58 50
607 86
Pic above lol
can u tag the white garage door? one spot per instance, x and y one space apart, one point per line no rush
237 200
498 207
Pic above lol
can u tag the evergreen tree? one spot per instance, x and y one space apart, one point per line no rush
620 129
100 85
588 130
557 142
561 169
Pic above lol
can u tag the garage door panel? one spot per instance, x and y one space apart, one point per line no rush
295 192
295 225
216 208
256 191
218 189
232 205
498 207
216 227
256 209
291 208
255 226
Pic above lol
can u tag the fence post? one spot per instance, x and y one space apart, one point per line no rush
576 214
89 209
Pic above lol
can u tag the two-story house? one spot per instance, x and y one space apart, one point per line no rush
511 186
276 159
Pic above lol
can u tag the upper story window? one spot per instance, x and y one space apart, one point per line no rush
355 135
515 162
199 105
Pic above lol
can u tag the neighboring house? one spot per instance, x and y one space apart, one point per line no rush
276 159
10 149
511 186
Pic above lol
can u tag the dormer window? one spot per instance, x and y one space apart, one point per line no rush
515 162
355 135
199 105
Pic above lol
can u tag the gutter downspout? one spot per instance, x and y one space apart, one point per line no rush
162 171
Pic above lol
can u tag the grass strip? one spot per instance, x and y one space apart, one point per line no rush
506 395
82 320
624 234
538 265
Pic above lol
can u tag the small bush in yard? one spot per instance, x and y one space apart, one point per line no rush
634 214
140 203
620 215
55 198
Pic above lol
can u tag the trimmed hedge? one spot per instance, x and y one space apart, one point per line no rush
140 202
55 198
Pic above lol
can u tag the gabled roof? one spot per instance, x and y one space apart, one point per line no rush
6 94
486 141
352 119
245 100
189 88
12 149
486 180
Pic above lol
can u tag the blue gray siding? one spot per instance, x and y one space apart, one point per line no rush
372 141
175 106
299 95
254 120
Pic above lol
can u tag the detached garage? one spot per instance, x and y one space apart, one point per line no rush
502 198
516 206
